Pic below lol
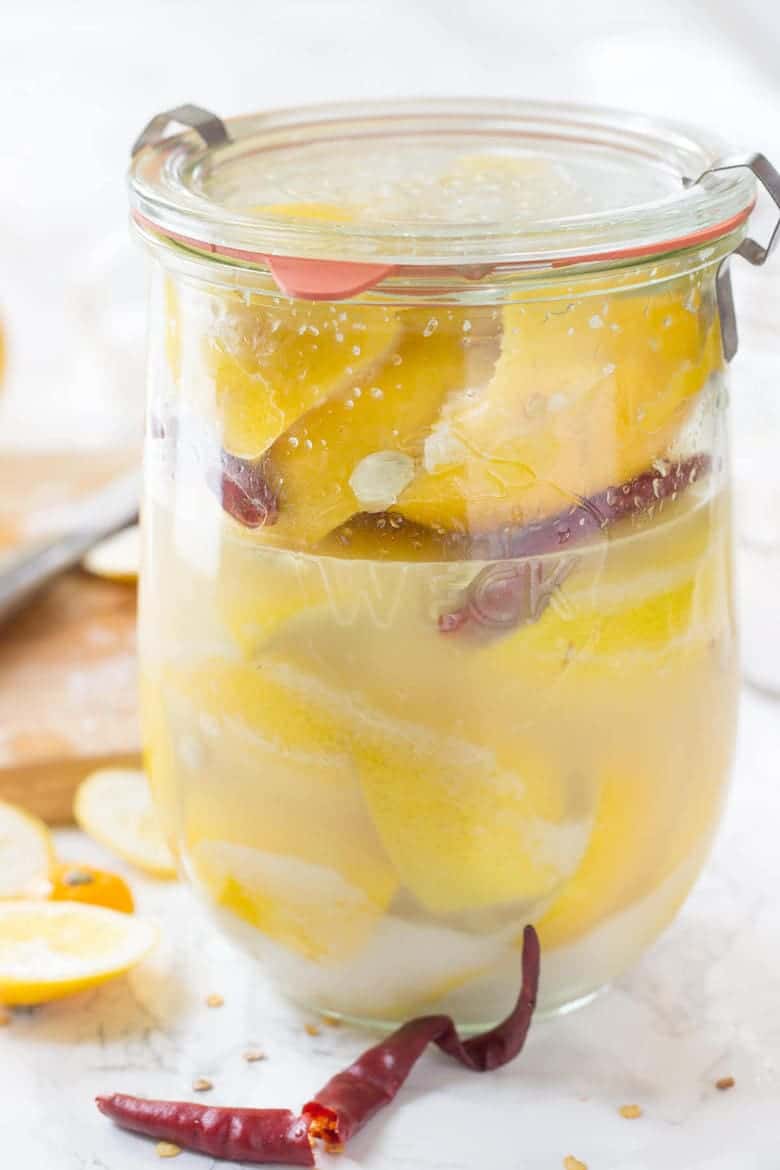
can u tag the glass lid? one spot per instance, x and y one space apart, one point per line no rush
437 183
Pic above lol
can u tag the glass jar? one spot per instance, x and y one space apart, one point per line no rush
436 615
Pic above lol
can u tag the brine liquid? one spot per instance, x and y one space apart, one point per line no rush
377 807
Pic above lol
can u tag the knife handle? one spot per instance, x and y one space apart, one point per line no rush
25 572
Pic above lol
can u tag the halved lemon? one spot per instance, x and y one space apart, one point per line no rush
117 557
114 806
51 949
26 854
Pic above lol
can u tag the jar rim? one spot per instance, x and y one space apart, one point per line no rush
190 193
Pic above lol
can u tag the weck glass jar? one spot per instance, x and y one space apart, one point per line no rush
437 616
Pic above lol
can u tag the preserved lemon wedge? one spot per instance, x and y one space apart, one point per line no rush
320 469
436 796
274 360
308 908
295 790
584 395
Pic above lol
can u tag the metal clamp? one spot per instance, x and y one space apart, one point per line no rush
750 250
211 129
769 179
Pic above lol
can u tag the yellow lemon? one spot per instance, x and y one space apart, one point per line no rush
462 827
322 471
585 394
114 806
26 854
306 907
51 949
290 786
318 212
272 361
117 558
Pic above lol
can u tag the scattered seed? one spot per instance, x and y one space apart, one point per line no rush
331 1021
202 1085
312 1029
167 1150
724 1083
253 1054
630 1112
572 1163
214 1000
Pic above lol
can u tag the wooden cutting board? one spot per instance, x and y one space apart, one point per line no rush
67 662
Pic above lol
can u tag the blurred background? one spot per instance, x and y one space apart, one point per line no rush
79 80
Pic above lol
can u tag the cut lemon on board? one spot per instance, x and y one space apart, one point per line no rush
117 557
51 949
26 854
114 806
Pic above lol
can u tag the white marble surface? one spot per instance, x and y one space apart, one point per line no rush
704 1003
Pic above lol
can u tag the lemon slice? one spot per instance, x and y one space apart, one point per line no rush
51 949
114 806
117 557
26 854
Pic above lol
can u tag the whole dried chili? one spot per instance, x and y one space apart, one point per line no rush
352 1097
244 491
517 591
240 484
259 1136
345 1103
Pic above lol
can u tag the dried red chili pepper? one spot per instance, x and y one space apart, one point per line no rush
345 1103
259 1136
244 491
517 591
350 1098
